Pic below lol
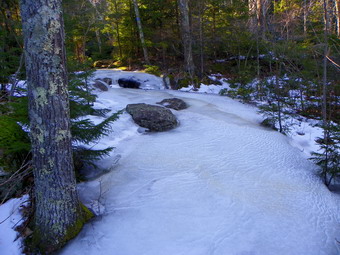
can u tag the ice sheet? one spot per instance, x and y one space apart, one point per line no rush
217 184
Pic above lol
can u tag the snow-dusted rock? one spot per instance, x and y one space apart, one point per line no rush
101 85
152 117
174 103
108 81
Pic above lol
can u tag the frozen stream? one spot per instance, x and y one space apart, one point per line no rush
217 184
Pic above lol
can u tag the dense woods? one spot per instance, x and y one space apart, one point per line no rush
283 55
189 40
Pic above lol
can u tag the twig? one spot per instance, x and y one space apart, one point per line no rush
333 62
12 213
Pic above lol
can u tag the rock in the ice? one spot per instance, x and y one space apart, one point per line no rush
128 83
101 85
108 81
174 103
152 117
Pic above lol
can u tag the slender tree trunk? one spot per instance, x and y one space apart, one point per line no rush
214 33
59 215
99 41
118 32
252 10
186 37
119 42
141 33
305 10
278 99
258 10
324 89
324 78
337 15
264 11
201 38
258 69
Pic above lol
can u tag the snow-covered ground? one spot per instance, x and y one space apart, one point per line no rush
217 184
10 218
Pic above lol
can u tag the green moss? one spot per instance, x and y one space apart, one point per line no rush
73 231
36 246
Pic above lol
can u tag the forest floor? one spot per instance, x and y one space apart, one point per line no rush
219 183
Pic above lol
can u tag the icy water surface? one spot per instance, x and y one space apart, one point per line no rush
217 184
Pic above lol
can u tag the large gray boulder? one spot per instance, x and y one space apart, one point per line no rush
174 103
152 117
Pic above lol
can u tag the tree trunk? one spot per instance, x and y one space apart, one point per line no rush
324 78
305 13
337 15
118 32
324 89
59 215
201 12
258 10
141 34
186 37
253 20
99 41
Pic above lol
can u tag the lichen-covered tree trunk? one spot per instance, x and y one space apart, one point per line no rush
186 36
59 215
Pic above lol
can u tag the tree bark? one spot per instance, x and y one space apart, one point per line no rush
253 19
324 77
118 32
59 215
258 10
337 14
186 37
305 18
141 33
201 12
